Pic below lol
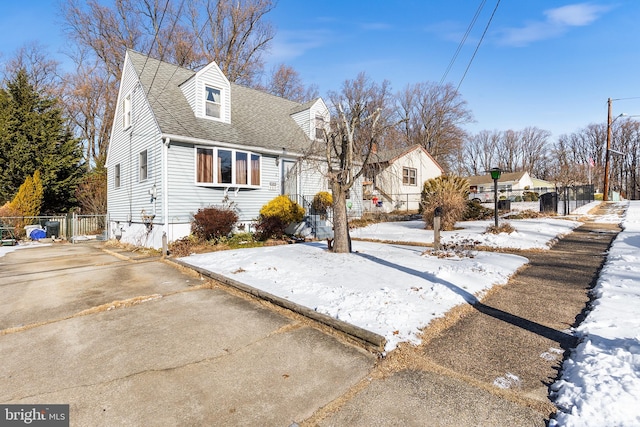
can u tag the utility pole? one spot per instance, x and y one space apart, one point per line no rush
605 194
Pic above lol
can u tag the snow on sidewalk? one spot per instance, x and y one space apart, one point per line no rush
600 382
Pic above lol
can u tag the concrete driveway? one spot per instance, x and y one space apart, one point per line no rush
139 342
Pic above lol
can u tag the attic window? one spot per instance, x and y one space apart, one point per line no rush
126 108
320 127
213 102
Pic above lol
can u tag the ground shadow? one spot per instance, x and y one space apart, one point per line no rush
565 340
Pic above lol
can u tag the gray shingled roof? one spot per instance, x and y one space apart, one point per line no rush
258 119
388 155
504 177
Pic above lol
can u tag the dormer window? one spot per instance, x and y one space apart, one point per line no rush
320 127
213 102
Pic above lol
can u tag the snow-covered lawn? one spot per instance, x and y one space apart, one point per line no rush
393 290
530 233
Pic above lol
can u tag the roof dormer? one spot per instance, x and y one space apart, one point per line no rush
313 117
209 94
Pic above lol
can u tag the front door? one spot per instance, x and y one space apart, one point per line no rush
289 178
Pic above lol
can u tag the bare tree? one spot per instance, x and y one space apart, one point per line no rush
507 150
89 97
192 34
234 33
433 117
361 113
533 146
42 70
286 83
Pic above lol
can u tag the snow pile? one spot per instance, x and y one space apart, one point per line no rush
600 383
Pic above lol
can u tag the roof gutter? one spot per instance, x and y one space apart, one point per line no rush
191 140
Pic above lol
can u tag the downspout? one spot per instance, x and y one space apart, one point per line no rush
165 187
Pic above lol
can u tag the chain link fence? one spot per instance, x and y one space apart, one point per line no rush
72 227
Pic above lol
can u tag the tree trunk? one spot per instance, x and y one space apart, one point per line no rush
341 240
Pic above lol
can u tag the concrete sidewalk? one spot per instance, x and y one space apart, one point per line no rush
491 363
142 343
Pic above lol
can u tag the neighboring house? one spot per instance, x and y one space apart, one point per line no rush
509 184
394 178
183 140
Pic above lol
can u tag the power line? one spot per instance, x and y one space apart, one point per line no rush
625 99
479 43
464 39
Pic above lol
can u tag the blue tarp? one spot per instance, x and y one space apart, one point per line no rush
37 234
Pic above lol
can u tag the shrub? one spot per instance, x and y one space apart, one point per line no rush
321 202
530 196
448 192
284 208
275 216
26 203
213 222
476 212
268 227
28 199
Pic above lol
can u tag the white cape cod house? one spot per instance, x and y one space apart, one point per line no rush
394 178
183 140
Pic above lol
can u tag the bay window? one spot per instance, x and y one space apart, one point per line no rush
231 168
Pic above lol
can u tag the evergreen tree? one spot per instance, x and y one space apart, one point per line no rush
35 136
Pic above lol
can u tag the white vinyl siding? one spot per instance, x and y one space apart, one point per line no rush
308 119
212 94
127 200
188 89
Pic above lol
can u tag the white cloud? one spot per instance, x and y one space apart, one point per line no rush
575 15
558 21
288 45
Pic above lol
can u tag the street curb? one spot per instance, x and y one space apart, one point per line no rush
367 338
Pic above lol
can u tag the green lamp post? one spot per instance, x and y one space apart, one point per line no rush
495 175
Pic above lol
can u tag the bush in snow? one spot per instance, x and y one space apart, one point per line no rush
448 192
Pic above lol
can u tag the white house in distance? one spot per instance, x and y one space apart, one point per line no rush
394 178
183 140
509 183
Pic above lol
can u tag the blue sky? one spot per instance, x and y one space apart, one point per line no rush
550 64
